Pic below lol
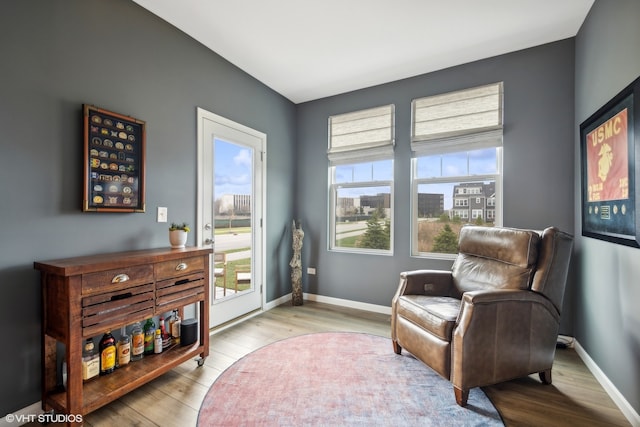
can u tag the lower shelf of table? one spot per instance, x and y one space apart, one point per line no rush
100 391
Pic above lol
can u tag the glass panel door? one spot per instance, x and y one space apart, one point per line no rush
230 214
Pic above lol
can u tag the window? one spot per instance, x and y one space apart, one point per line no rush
361 181
457 155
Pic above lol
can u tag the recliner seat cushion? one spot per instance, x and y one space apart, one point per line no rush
436 315
495 259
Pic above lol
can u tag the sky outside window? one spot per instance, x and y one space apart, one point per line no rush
365 172
232 166
464 163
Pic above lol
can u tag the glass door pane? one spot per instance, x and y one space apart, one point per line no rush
232 210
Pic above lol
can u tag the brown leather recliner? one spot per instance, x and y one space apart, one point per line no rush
495 316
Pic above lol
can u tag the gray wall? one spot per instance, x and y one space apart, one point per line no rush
538 164
57 55
607 321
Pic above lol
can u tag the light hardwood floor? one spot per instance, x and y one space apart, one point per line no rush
574 399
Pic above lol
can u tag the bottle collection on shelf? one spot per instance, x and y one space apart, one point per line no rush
141 341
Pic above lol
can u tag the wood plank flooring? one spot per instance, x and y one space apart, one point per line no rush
575 397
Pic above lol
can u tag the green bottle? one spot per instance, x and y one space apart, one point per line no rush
149 335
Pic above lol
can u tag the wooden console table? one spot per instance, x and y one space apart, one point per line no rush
85 296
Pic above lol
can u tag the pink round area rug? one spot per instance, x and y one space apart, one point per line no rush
337 379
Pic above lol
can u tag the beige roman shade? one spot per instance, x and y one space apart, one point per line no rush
362 136
456 121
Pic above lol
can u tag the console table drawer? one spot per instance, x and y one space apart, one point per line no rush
114 308
186 290
179 267
111 280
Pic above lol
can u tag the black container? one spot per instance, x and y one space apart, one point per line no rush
188 332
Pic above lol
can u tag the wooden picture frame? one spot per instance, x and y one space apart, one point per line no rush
114 161
609 154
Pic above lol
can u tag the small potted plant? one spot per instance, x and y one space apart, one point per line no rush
178 234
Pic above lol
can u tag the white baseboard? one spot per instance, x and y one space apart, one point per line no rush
383 309
277 302
627 410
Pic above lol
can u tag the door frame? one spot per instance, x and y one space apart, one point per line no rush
202 187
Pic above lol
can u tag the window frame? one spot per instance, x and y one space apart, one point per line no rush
333 199
360 137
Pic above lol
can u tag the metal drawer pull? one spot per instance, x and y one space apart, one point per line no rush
181 266
120 278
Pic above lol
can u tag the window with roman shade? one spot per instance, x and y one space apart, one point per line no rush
360 152
456 169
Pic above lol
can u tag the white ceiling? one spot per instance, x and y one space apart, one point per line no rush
307 50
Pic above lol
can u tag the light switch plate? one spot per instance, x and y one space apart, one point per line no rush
162 214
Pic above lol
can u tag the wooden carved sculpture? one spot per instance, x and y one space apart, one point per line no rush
296 264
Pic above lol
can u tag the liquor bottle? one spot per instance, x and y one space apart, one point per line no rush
163 331
172 320
137 342
90 361
124 349
107 354
149 334
175 327
157 345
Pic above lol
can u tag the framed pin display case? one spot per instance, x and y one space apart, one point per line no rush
114 161
610 152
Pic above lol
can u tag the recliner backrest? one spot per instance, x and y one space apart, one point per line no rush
553 265
495 258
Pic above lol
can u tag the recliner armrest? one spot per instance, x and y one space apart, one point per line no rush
419 282
426 282
505 296
511 303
